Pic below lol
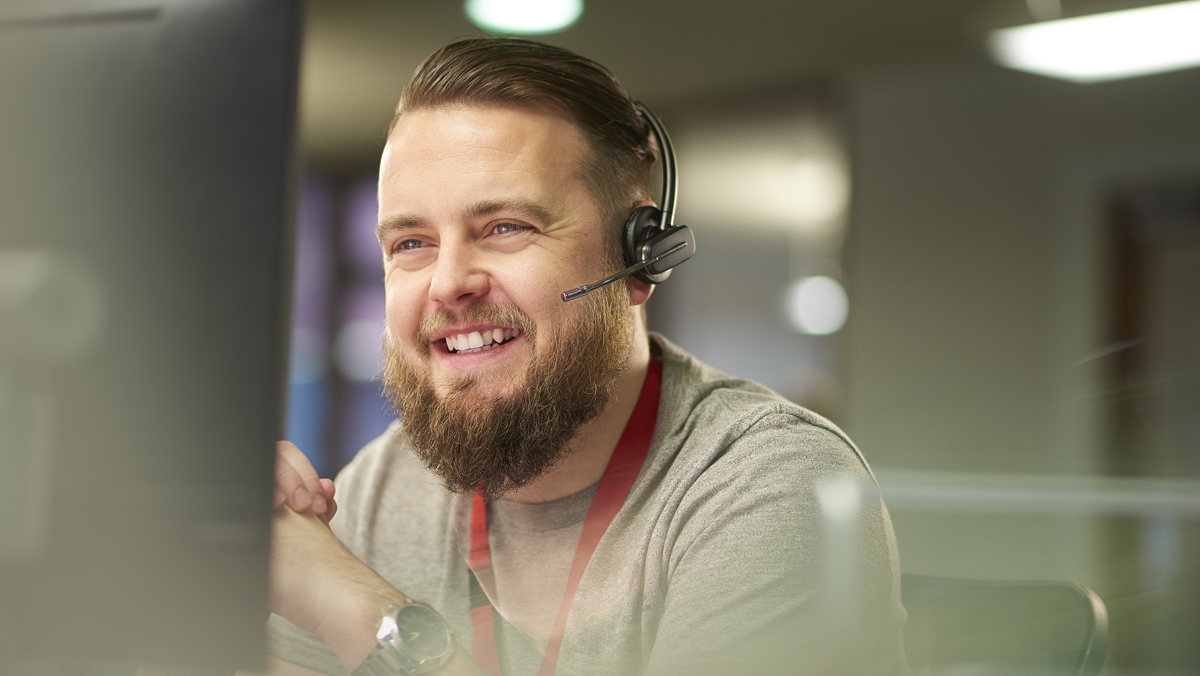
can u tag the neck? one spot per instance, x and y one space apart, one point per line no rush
590 450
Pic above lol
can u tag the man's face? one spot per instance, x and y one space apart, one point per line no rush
484 222
483 204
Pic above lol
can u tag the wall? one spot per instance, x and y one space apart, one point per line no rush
978 272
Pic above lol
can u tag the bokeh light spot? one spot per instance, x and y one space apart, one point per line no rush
817 305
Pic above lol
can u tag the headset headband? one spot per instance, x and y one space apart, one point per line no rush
652 243
667 159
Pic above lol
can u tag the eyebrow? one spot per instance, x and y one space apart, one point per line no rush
527 208
523 207
393 223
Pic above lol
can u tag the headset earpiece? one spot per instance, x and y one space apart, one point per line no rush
643 224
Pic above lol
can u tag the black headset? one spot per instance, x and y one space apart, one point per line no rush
652 243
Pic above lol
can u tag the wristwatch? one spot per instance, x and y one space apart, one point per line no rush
412 639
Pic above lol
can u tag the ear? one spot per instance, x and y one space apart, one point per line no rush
639 291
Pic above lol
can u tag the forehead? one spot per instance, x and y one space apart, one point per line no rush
461 149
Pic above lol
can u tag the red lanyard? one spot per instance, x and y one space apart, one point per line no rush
618 478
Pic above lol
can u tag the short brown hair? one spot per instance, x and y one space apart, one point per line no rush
515 72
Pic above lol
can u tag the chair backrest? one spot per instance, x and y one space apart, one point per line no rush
990 627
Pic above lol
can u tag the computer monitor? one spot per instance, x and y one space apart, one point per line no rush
146 184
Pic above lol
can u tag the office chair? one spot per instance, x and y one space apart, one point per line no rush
978 627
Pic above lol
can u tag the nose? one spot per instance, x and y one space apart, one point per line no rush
458 279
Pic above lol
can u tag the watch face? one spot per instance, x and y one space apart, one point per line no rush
422 631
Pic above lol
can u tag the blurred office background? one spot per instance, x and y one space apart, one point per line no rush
989 278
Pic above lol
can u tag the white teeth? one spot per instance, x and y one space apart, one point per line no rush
477 341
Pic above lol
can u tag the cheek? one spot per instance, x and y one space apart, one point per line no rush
593 261
534 289
402 316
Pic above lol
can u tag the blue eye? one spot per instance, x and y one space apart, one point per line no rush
408 245
508 228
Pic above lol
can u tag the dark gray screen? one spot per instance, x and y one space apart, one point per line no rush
145 186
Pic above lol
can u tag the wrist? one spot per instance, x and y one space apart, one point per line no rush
412 640
359 606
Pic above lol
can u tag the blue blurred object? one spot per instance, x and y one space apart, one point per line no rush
308 374
360 247
366 415
307 419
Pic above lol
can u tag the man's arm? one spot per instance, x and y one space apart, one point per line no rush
461 665
319 585
278 667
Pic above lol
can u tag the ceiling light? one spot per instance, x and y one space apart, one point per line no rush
1106 46
524 17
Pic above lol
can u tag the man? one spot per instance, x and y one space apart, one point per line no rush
567 493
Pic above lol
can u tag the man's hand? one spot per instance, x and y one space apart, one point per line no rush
319 586
316 583
297 484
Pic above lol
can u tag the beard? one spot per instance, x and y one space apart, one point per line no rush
500 445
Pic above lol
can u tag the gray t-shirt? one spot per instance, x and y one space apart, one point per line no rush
714 564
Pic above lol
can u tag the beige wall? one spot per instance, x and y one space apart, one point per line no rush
977 275
974 261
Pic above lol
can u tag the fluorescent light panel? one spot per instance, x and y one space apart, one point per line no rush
1107 46
523 17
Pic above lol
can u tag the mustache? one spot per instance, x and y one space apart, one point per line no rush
480 311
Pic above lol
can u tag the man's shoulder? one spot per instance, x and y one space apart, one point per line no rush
694 390
712 418
689 383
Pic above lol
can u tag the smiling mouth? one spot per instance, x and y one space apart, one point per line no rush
479 341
